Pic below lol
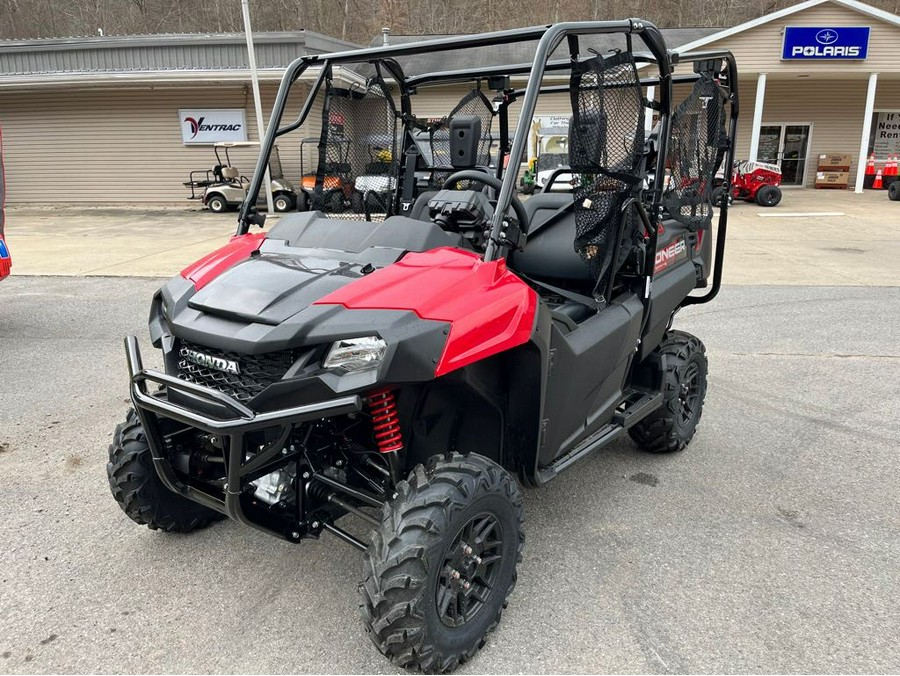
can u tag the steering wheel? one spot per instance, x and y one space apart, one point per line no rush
493 182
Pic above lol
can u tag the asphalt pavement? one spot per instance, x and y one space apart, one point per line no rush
770 545
813 237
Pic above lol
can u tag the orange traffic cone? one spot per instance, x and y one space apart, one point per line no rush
870 165
894 166
889 166
878 184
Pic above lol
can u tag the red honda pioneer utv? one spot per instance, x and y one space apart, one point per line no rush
405 371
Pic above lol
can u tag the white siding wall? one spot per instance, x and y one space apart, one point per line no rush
832 94
124 144
117 145
759 50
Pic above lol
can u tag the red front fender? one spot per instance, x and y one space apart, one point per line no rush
489 308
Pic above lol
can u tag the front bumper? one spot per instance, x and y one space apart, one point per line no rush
233 426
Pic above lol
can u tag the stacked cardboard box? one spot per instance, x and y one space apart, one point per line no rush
833 171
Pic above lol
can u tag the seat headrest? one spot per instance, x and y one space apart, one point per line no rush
587 140
230 172
465 137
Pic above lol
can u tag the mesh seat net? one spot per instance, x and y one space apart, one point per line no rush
358 161
606 147
697 145
474 104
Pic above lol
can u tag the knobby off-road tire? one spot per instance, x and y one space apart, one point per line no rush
768 196
137 488
407 600
894 191
671 427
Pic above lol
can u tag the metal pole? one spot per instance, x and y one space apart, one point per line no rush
757 117
866 130
260 127
648 114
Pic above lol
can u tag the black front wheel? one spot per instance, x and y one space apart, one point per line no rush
894 191
137 488
671 427
438 572
768 196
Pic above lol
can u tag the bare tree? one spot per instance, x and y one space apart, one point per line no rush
359 20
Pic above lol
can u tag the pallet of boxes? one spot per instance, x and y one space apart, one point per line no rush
833 171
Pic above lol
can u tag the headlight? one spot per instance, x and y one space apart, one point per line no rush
356 354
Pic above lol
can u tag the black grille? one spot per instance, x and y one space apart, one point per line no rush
214 369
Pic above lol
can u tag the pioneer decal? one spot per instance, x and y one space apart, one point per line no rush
212 125
671 254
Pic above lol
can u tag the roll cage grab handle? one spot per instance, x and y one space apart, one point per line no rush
550 37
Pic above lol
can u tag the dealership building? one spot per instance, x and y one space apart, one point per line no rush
126 119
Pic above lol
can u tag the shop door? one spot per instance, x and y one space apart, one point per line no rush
786 145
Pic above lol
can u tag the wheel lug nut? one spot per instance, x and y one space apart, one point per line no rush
454 574
477 560
467 550
466 585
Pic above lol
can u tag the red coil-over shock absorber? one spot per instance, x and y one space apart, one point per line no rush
385 421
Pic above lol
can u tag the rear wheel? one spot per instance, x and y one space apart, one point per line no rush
137 488
718 194
671 427
768 196
894 192
283 202
216 204
443 562
302 201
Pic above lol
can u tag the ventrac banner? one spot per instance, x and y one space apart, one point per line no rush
826 42
212 125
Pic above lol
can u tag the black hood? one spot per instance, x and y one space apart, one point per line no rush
270 287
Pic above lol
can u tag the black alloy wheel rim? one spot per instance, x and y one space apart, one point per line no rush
689 393
470 570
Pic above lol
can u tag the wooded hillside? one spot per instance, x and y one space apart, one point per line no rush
358 20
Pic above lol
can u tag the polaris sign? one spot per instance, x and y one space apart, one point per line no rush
826 42
211 126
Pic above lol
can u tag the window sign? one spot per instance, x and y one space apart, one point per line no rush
825 42
886 134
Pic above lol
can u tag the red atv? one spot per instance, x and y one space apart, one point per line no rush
753 182
405 372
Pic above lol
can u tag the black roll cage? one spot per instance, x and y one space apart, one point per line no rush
549 37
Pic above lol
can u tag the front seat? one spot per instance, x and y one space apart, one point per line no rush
549 253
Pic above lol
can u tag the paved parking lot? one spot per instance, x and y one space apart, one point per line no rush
815 237
769 545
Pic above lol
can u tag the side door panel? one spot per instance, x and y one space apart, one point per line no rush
587 371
